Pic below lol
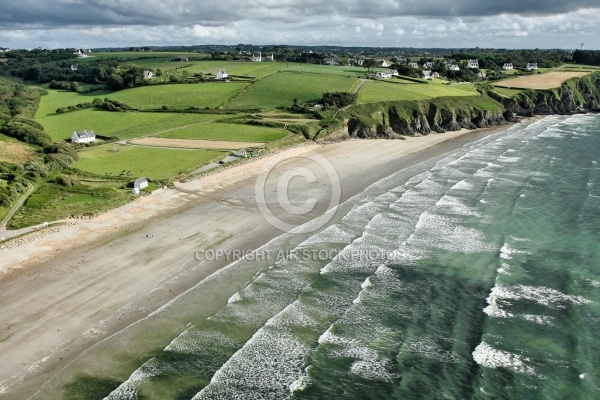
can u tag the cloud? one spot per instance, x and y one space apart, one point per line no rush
417 23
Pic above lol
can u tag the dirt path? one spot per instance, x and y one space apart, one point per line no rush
193 144
15 208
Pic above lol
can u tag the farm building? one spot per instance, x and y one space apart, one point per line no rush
221 74
140 183
531 66
507 66
83 137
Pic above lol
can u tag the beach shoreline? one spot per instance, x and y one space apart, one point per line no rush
67 288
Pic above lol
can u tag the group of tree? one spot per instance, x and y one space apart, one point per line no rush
589 57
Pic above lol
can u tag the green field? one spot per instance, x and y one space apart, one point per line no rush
179 96
376 91
279 90
64 98
153 163
329 69
231 132
124 125
243 68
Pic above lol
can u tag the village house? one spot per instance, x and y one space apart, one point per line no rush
270 57
84 136
256 58
383 63
180 58
531 66
473 64
330 61
355 61
382 75
74 67
428 65
221 74
413 65
481 74
454 67
148 74
507 66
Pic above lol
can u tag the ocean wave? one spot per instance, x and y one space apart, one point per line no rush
490 357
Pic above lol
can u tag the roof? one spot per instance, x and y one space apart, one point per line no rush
140 180
85 134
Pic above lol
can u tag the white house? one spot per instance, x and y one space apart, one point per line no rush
140 183
481 74
330 61
383 63
383 74
507 66
428 65
426 75
257 58
83 137
454 67
413 65
394 72
270 57
221 74
473 64
148 74
74 67
531 66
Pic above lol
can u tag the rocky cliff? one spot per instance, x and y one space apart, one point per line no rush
409 118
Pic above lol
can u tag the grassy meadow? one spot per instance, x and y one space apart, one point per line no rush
124 125
152 163
179 96
373 91
279 90
228 132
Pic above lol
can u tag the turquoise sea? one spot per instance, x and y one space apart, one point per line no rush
473 275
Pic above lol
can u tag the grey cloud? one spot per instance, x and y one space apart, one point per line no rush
23 13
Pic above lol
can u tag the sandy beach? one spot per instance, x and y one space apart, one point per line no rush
68 287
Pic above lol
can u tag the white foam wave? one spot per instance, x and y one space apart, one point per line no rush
489 357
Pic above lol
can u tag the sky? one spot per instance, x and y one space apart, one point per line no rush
507 24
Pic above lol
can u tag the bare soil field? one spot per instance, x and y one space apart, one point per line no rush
193 144
540 81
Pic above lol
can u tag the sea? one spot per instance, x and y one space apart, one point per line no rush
472 275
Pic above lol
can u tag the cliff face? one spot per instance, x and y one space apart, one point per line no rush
408 118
